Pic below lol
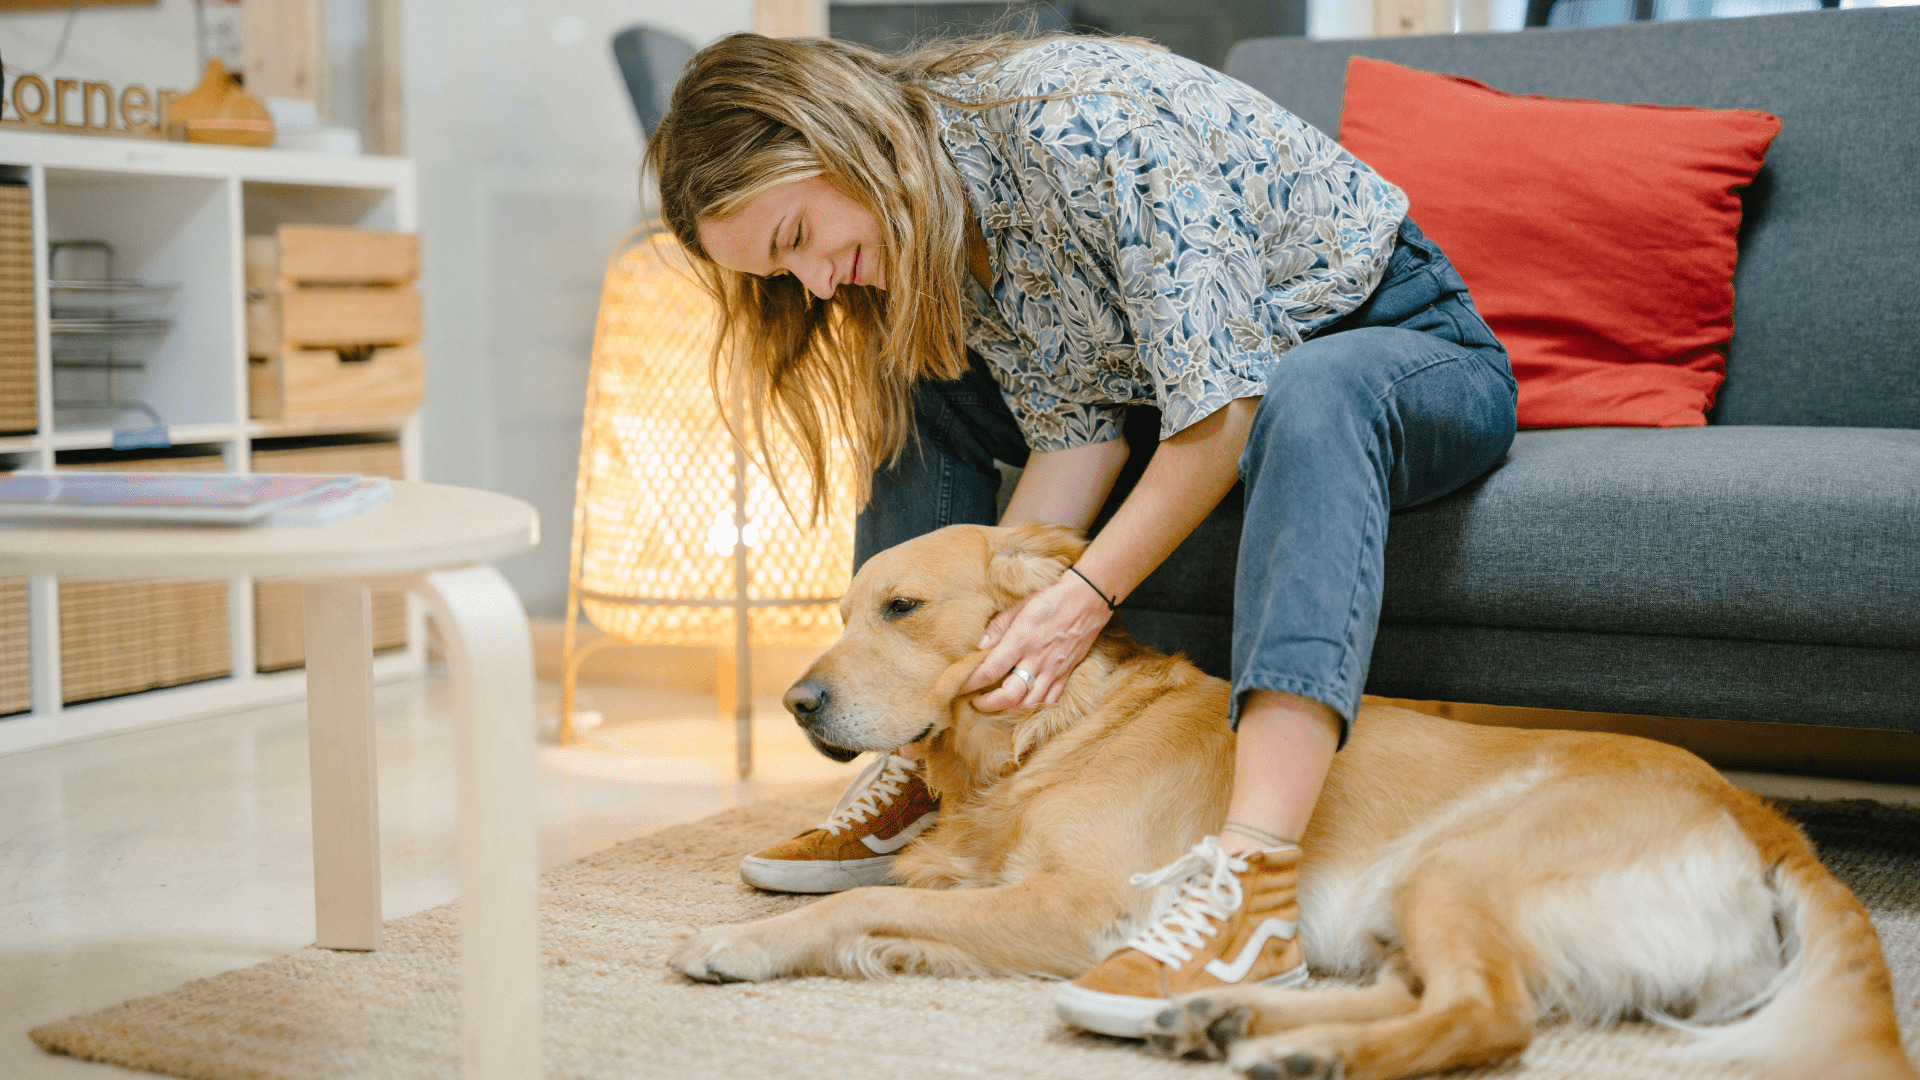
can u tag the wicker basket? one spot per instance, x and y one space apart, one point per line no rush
17 408
125 637
16 680
279 636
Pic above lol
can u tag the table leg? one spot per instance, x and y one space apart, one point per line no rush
491 653
346 805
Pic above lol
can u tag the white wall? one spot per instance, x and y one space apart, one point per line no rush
528 154
155 46
1333 19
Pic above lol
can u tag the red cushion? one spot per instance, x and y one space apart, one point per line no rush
1598 240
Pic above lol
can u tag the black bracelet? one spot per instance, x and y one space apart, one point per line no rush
1112 605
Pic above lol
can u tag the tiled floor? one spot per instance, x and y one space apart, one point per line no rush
131 864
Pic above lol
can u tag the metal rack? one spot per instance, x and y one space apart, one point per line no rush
102 326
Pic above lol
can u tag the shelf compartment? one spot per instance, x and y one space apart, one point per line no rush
125 637
332 317
278 608
179 231
267 205
16 676
16 670
18 378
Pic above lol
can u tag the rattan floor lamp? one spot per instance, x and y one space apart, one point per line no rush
678 537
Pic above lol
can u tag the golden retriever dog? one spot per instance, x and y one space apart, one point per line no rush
1485 878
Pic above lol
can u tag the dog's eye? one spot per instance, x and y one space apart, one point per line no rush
899 606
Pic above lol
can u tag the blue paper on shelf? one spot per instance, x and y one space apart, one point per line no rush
141 438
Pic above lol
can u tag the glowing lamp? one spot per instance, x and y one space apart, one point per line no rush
679 538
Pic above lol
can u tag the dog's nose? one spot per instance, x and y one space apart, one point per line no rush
805 698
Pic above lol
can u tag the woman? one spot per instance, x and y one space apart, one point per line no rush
990 251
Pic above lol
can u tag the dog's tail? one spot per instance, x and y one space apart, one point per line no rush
1829 1015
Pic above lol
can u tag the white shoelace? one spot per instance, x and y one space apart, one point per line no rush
876 787
1209 880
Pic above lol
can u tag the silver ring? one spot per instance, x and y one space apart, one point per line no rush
1028 679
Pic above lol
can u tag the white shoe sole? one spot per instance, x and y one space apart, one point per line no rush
815 876
1124 1016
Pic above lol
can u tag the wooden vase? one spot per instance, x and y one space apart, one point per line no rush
219 111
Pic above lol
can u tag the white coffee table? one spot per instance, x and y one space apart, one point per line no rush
436 541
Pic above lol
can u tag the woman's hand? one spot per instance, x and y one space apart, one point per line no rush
1045 635
1049 632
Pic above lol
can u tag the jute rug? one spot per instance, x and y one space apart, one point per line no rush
613 1010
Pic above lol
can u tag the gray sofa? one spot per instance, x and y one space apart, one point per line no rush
1765 567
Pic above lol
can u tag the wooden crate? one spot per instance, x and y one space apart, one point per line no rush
16 678
332 317
279 640
320 382
331 255
122 637
18 413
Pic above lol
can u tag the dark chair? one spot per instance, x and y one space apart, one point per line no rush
650 60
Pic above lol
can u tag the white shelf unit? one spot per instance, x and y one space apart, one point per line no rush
179 213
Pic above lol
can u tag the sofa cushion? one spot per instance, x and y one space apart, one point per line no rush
1784 534
1598 238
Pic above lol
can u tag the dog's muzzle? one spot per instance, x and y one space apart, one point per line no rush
807 701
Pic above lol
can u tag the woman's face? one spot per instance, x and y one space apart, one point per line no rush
807 228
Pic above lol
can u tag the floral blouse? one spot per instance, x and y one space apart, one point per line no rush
1159 234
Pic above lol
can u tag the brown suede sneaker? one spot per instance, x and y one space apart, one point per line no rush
886 806
1233 923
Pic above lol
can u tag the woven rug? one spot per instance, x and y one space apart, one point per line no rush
614 1010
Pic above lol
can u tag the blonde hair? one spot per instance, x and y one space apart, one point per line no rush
751 113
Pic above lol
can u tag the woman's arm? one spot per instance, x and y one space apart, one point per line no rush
1066 487
1051 631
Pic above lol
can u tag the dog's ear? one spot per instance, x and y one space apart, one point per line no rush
1029 558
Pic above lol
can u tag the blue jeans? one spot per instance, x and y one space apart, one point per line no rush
1402 401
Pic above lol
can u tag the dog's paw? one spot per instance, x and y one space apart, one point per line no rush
723 954
1197 1025
1282 1057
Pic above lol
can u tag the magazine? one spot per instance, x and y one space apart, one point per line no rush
333 504
187 498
